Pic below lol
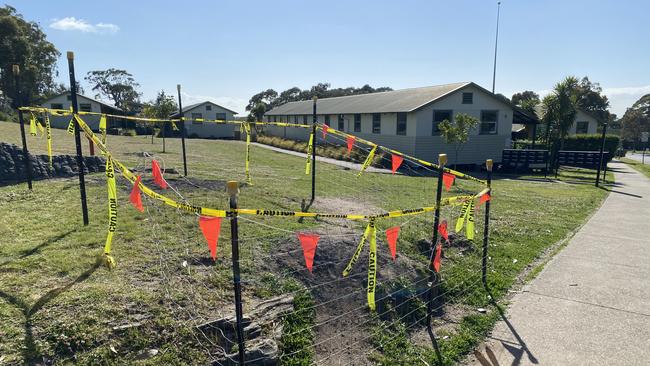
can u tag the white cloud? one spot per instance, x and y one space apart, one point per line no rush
74 24
236 104
627 90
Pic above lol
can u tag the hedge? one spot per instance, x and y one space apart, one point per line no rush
592 143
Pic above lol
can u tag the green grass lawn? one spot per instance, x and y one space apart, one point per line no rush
641 168
57 304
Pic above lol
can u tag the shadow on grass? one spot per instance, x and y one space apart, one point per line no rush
26 253
30 352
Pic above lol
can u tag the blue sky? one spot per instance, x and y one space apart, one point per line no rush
227 51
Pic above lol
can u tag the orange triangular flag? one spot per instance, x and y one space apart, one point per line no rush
350 140
135 197
397 161
448 180
484 198
391 237
157 175
210 227
442 229
309 243
325 130
436 259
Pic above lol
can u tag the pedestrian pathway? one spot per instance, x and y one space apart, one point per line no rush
590 305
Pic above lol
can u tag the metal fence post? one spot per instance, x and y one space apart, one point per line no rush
486 227
433 286
182 123
77 137
233 190
602 147
164 127
19 103
313 154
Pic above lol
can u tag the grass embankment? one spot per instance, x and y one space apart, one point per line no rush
641 168
57 305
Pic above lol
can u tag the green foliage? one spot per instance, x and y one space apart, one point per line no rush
592 143
636 119
456 132
117 85
23 43
527 100
297 333
161 107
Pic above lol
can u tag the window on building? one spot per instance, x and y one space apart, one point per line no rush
221 116
195 116
275 118
304 119
68 97
438 117
85 107
327 119
341 125
295 119
357 122
401 123
376 123
468 98
489 121
208 107
56 106
582 127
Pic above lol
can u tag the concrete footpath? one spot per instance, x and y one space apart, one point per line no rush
590 305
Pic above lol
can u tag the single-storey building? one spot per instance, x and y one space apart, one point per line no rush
407 120
208 111
85 104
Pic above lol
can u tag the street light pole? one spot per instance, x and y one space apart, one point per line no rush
496 42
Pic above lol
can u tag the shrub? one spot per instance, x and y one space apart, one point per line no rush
592 143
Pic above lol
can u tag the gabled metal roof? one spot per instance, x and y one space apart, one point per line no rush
403 100
192 106
46 101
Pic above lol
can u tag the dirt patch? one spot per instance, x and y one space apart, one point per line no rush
344 205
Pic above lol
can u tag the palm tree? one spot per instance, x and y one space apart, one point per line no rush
560 109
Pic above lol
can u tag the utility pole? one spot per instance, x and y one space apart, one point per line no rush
496 43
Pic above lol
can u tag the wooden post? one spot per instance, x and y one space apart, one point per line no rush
232 188
77 138
19 103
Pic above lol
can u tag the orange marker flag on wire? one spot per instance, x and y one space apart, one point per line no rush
135 197
350 140
325 130
484 198
309 242
397 161
448 180
157 175
391 237
210 227
436 259
442 229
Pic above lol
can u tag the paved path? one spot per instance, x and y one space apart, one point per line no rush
341 163
639 157
591 303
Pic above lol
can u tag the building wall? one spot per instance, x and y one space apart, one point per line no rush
419 140
209 129
582 116
63 121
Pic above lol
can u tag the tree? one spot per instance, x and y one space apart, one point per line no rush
526 100
636 119
25 44
560 109
161 107
456 132
589 98
117 85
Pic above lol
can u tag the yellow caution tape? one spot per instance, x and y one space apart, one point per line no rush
71 127
174 127
469 229
461 219
372 266
368 161
112 211
357 252
32 124
48 136
247 129
310 151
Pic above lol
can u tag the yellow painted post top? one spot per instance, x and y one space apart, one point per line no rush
488 164
442 159
232 187
70 55
16 69
315 98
